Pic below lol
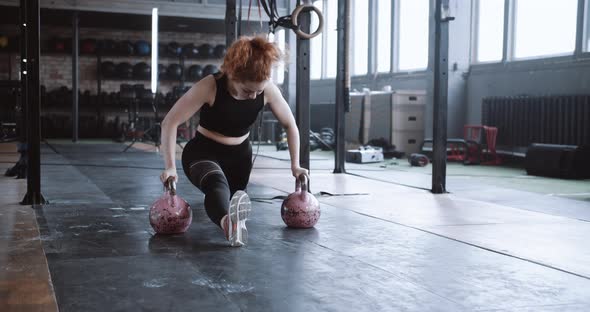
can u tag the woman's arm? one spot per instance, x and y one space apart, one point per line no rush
282 112
189 104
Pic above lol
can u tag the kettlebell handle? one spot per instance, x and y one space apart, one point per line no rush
171 186
302 182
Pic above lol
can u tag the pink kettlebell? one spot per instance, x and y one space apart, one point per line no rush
301 209
170 214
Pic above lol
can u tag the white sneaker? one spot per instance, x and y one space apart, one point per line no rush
239 210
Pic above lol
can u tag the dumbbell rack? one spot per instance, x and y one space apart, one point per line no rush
134 116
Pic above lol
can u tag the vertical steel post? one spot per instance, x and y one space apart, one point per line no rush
32 29
441 82
230 22
342 83
580 31
75 76
303 89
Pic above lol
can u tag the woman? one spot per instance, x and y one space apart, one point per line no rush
218 160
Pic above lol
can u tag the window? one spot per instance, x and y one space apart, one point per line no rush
586 38
543 27
413 34
279 76
490 30
383 36
331 20
360 40
315 45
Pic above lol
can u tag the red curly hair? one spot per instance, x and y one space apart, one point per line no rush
250 59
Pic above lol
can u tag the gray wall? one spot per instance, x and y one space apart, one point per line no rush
540 77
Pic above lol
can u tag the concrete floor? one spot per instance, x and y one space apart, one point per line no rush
484 247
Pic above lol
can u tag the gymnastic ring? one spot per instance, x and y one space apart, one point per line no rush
295 15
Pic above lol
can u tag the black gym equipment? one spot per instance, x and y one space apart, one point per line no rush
206 51
418 160
219 51
137 97
190 50
174 71
327 139
9 115
126 48
141 71
173 49
142 48
209 70
128 99
195 72
124 70
162 72
108 69
558 161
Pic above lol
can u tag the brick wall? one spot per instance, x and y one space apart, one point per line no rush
56 69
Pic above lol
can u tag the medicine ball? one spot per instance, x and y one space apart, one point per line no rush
124 70
88 46
210 70
219 51
174 71
142 71
190 50
108 70
142 48
174 49
126 48
195 72
206 51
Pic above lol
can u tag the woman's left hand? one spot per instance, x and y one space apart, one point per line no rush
297 171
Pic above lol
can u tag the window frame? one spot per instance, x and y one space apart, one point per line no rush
372 66
392 36
513 56
475 35
352 38
284 67
583 47
396 41
581 51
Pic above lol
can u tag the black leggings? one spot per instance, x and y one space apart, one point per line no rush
218 170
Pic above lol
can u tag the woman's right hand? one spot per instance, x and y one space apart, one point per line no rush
168 173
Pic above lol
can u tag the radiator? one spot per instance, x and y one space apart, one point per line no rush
522 120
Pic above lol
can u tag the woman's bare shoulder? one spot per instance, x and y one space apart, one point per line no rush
207 88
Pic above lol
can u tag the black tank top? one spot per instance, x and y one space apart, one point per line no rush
228 116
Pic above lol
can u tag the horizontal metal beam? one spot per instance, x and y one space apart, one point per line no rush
165 8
